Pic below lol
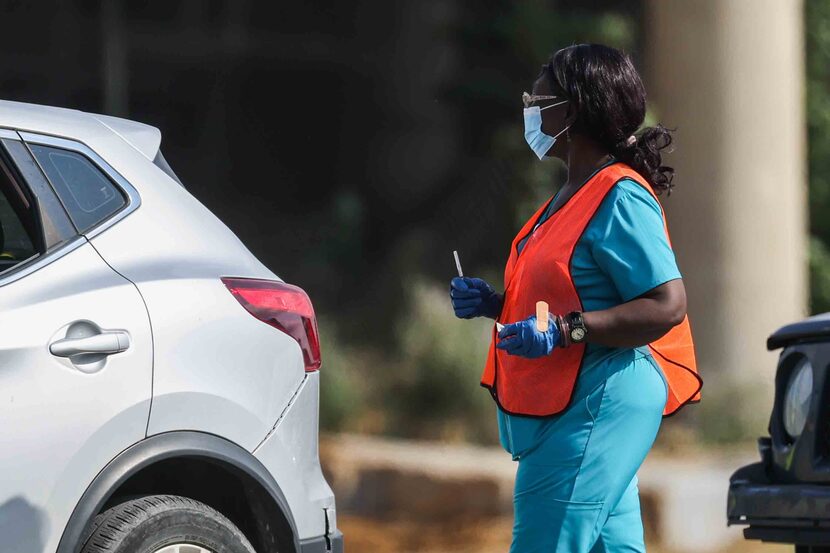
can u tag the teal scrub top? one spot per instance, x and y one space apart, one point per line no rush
622 254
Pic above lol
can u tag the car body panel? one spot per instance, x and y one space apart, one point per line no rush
237 382
64 424
144 138
217 368
291 451
775 512
812 328
759 499
79 125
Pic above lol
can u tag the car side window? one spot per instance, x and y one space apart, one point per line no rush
16 242
21 169
87 193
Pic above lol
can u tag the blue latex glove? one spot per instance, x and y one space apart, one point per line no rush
522 338
473 297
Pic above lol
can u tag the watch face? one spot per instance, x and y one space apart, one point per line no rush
577 334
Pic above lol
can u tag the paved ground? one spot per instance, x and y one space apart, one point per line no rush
482 536
407 496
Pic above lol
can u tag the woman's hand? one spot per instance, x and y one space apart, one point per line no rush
473 297
523 338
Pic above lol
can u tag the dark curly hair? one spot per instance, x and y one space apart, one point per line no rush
609 99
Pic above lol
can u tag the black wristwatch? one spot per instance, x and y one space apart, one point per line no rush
576 327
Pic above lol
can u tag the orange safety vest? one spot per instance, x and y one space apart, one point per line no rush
543 386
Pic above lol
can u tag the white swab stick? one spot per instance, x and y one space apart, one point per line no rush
542 316
457 263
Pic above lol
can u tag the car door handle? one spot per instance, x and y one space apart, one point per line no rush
105 343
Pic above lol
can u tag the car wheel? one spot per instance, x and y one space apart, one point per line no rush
164 524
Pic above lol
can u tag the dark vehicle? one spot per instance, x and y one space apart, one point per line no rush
786 497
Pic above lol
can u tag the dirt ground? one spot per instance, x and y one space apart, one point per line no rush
482 536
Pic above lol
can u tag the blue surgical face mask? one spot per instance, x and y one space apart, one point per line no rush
538 141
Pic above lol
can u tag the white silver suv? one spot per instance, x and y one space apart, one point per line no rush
159 385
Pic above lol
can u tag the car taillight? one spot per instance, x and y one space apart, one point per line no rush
283 306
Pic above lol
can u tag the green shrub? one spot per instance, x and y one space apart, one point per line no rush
342 398
435 392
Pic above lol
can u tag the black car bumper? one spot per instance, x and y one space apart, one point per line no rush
786 513
332 543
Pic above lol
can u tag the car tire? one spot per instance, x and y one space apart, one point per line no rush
158 523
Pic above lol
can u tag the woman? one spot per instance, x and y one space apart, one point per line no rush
580 403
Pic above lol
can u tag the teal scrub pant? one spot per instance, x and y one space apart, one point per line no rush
576 484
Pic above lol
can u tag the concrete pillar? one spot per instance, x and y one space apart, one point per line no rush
729 76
